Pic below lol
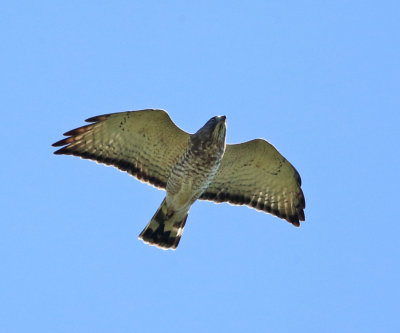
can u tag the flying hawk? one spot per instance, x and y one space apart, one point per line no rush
149 146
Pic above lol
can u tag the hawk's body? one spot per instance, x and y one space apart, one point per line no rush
189 178
148 145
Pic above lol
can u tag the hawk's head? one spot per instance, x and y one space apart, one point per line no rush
213 132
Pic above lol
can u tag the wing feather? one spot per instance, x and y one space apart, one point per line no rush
145 143
255 174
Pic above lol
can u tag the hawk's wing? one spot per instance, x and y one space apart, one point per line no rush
254 173
144 143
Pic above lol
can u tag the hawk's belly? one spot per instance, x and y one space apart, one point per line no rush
190 177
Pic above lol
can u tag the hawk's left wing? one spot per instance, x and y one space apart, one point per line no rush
145 143
255 174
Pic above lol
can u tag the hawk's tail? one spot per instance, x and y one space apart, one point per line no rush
164 230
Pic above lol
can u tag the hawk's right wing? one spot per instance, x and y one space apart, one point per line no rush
255 174
145 143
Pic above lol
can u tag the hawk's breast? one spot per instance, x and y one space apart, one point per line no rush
192 174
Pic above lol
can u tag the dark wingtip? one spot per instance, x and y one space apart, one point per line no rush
62 142
79 130
63 151
302 216
296 224
97 118
292 219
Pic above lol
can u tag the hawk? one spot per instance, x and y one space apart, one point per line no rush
148 145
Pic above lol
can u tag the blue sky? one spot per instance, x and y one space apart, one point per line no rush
318 79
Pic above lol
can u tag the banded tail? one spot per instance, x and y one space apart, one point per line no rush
164 231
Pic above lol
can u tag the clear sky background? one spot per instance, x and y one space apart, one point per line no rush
318 79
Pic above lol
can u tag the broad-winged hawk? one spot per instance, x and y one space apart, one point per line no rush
149 146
